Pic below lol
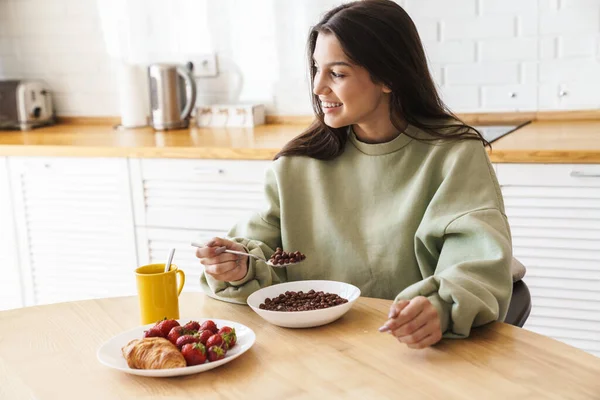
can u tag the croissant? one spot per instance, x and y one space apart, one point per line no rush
152 353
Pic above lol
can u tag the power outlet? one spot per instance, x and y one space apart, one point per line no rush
205 65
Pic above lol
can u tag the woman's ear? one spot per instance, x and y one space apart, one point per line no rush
386 90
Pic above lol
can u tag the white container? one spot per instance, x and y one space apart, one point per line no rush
230 115
304 319
133 95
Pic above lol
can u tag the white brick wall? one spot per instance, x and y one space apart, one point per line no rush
571 20
528 73
481 74
576 46
507 7
485 55
529 54
548 48
465 97
513 49
478 27
441 9
451 52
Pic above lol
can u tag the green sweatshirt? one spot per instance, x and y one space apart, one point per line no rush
398 220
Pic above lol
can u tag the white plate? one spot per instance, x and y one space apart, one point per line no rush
110 354
304 319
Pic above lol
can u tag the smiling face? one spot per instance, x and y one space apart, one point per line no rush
346 92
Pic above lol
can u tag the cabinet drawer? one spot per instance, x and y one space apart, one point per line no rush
586 246
69 167
565 234
196 194
572 224
204 170
558 292
582 285
565 274
570 175
550 264
553 203
572 317
213 219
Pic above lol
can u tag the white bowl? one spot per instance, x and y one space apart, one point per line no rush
304 319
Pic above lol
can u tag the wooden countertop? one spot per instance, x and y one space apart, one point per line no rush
576 141
49 352
550 142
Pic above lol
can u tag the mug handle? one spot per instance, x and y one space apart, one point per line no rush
181 281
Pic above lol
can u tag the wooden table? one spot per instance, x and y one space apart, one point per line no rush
49 352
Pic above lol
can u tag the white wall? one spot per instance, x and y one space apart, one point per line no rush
486 55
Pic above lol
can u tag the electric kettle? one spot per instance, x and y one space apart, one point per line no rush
172 95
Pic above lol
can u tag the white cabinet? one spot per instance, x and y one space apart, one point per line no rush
180 201
554 214
10 279
74 222
195 194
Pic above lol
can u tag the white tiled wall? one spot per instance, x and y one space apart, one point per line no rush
485 55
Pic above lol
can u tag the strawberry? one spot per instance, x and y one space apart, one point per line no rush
203 336
194 353
166 325
185 339
153 332
215 353
209 325
192 326
216 340
228 335
175 334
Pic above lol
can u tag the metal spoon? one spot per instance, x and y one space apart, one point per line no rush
241 253
169 260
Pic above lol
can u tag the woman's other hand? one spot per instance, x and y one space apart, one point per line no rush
220 265
415 323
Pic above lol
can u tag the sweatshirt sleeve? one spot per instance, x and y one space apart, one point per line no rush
472 283
264 229
464 246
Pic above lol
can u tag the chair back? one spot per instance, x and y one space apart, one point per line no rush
520 305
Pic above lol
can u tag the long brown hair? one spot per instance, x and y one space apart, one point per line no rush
380 36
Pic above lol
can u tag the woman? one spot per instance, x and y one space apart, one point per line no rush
387 190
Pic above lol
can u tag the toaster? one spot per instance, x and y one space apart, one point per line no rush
25 104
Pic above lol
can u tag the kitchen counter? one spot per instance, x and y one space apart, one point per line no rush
551 142
575 141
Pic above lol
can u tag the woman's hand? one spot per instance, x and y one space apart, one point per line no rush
415 323
223 266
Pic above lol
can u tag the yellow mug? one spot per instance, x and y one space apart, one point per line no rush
158 292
